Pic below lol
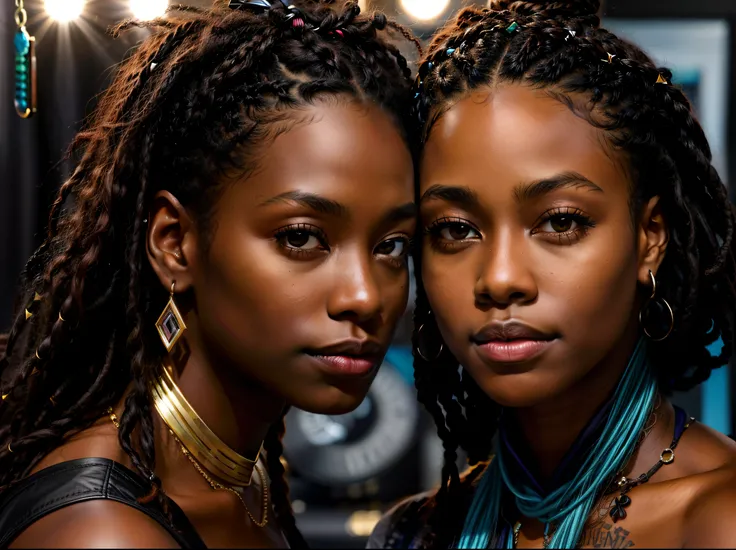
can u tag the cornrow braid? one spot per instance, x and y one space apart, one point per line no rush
199 98
559 46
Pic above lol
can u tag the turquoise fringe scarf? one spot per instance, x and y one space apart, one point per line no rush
568 506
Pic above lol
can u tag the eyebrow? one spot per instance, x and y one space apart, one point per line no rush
334 208
565 180
466 198
316 202
400 213
461 196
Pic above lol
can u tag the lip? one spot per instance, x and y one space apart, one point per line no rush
349 357
512 342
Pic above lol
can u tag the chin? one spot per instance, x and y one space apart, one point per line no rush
517 390
331 400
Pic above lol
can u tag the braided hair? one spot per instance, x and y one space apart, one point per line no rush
560 46
203 90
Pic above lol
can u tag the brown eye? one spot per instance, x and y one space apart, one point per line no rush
393 247
457 232
561 224
301 239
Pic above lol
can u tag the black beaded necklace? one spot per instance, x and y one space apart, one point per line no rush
623 485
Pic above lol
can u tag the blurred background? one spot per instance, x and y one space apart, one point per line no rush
345 470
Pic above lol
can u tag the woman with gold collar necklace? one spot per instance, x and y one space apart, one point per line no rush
244 196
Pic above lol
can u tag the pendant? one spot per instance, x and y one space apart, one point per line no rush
618 510
25 73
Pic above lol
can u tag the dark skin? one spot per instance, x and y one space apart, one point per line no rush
308 251
529 219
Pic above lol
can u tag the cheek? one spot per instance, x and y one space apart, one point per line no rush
248 298
449 282
591 290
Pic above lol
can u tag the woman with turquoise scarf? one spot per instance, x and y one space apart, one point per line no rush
577 268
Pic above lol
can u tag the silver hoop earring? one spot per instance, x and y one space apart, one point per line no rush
645 312
419 351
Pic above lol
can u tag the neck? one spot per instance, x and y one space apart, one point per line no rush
238 410
549 429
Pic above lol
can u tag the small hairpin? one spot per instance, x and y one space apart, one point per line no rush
512 27
5 396
37 297
661 79
450 51
153 65
572 34
28 314
610 58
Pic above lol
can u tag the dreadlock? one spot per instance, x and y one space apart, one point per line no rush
559 46
191 104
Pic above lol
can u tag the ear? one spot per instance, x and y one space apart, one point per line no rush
171 241
653 236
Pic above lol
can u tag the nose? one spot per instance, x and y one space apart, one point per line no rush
356 294
505 277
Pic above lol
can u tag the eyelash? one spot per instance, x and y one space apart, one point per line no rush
434 230
583 224
283 233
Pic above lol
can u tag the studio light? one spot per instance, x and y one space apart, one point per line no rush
148 9
424 10
64 10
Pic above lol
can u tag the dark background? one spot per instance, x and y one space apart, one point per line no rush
76 62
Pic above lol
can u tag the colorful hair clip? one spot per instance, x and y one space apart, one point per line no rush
661 79
450 51
610 59
257 4
28 315
514 26
571 33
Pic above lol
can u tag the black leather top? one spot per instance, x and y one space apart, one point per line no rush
82 480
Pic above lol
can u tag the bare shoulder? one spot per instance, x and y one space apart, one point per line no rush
95 524
711 493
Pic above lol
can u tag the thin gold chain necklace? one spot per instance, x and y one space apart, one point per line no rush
216 485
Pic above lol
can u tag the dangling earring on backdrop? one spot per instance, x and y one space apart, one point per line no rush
170 324
646 314
422 348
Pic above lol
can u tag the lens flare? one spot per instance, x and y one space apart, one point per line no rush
148 9
64 10
425 10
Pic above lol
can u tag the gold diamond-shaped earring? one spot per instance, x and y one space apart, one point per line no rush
170 324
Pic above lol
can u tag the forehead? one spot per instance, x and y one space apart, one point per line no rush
514 133
351 153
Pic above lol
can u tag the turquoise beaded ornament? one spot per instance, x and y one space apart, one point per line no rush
25 65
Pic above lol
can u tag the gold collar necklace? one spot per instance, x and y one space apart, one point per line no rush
202 447
209 450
